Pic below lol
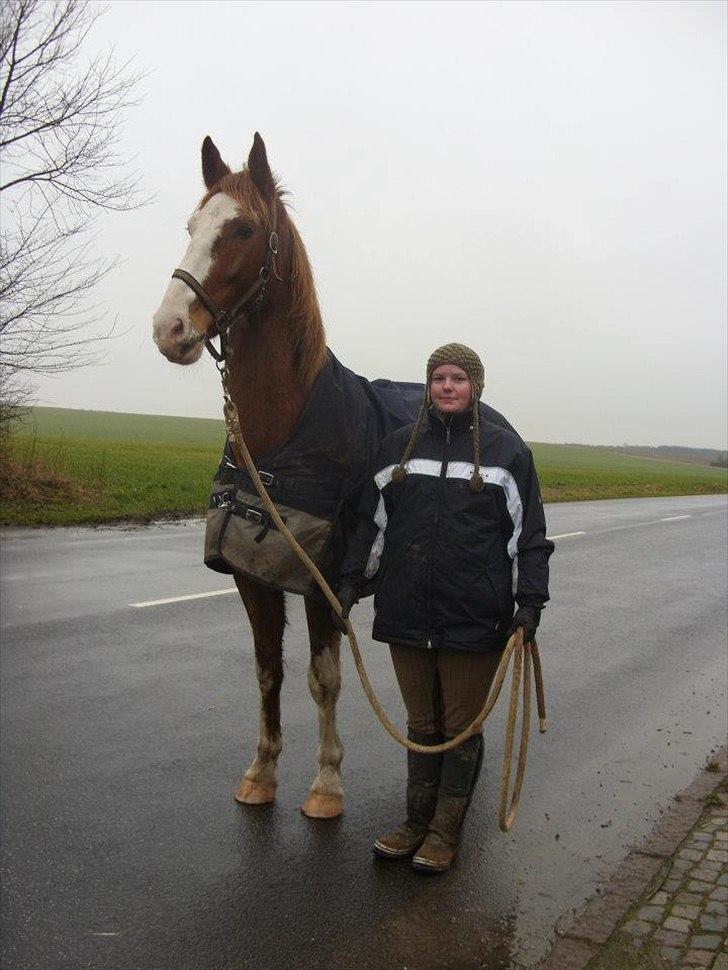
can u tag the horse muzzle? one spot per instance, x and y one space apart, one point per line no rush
178 341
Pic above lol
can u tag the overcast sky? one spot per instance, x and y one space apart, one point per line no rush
545 182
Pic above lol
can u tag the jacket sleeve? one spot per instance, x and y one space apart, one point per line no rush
366 540
532 547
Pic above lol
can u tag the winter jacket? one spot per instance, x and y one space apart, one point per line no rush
451 562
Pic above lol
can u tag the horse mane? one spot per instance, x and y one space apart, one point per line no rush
304 314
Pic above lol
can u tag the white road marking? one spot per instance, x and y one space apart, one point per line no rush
223 592
181 599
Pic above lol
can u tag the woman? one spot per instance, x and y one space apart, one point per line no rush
453 531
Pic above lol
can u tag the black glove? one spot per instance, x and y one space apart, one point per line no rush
347 596
527 617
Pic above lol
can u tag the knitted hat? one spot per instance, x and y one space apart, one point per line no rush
465 358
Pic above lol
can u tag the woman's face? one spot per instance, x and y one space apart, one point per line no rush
450 389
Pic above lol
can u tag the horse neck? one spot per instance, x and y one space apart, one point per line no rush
266 385
276 361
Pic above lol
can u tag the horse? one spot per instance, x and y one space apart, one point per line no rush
245 255
243 242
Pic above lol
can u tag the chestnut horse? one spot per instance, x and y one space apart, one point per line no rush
276 356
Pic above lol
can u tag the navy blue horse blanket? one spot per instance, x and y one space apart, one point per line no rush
315 479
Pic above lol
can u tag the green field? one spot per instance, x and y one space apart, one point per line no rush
572 473
111 426
69 466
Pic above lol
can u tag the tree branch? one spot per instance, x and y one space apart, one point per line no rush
59 132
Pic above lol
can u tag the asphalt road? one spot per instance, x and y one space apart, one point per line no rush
125 730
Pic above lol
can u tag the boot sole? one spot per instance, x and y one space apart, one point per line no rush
423 865
384 852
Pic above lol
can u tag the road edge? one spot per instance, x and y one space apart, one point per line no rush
580 940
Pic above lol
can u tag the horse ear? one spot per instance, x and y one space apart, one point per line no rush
213 167
260 169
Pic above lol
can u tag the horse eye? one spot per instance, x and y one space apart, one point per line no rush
244 230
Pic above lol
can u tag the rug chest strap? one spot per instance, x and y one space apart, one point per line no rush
228 500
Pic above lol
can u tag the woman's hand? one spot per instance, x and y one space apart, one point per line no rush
347 596
528 618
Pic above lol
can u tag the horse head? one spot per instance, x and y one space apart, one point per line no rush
230 262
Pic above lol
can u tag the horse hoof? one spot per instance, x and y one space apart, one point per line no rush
255 793
319 805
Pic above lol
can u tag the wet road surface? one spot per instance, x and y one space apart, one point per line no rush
125 730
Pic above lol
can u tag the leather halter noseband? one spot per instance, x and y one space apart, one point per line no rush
224 320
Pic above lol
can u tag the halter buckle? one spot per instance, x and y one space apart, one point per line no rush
223 320
273 242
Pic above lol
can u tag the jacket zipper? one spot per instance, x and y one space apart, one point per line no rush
440 487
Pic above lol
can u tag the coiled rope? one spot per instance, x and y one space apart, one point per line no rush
525 656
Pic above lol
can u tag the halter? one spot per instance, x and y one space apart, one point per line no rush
224 320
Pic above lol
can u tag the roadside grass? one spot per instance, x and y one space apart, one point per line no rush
71 467
569 473
67 481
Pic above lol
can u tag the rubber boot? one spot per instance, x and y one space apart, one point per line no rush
423 781
460 771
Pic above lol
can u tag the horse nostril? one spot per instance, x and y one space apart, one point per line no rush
178 328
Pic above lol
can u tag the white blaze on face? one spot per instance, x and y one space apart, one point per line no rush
205 226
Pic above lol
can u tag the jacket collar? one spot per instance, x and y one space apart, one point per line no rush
456 423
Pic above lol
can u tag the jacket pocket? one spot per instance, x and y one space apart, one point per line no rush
501 591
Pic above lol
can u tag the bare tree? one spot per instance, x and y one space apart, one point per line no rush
59 166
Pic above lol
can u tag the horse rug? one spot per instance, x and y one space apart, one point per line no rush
315 480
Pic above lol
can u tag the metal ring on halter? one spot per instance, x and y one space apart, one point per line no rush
273 242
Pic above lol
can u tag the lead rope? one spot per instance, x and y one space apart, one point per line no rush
524 656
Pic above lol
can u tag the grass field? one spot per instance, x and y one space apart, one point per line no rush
571 473
111 426
67 466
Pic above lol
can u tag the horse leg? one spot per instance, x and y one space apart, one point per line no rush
325 799
267 612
